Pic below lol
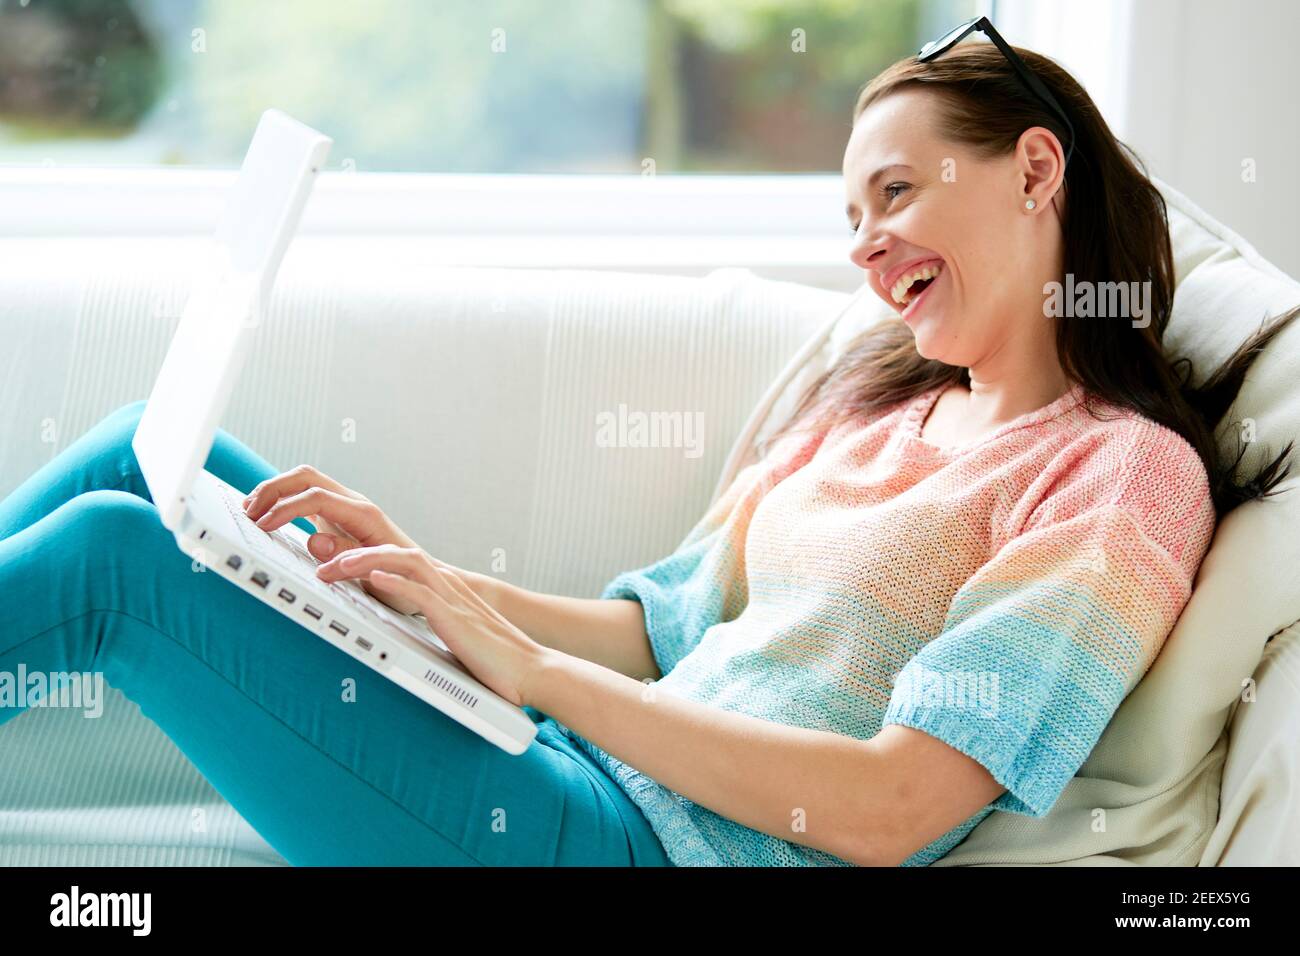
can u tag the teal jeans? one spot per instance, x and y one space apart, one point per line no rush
330 762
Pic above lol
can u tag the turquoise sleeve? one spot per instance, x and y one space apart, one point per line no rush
703 582
1038 650
681 597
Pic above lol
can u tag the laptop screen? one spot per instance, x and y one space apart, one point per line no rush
225 305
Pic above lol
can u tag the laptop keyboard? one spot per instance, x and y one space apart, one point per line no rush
279 546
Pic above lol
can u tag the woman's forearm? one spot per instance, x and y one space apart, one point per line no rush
812 787
610 632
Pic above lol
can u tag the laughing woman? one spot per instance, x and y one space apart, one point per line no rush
982 499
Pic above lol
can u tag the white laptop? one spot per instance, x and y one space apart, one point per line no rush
206 514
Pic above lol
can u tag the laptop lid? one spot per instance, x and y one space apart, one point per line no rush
224 307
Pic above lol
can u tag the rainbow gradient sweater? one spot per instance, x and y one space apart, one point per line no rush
1003 596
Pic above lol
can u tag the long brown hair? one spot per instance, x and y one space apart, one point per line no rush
1115 230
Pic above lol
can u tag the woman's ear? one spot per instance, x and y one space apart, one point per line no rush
1040 165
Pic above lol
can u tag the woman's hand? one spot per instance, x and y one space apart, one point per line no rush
499 654
344 519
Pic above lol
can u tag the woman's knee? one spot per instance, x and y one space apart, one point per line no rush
111 439
92 550
117 428
97 519
127 417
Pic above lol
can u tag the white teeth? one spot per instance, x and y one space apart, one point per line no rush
899 291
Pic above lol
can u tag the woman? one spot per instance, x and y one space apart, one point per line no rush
924 602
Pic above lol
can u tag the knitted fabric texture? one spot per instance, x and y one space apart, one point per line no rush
1003 596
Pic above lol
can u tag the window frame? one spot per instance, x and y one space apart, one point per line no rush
780 226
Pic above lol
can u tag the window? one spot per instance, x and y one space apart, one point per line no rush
456 86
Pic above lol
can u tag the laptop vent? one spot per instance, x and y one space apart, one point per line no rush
451 689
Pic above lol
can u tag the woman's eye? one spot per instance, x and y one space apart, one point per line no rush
890 193
893 189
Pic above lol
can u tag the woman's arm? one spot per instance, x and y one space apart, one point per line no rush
871 802
606 631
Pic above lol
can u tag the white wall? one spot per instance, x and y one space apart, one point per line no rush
1196 87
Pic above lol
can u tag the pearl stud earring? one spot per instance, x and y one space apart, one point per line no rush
1030 204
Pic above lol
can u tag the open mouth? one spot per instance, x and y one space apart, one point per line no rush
910 285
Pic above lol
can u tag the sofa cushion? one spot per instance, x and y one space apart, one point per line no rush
1149 791
1259 820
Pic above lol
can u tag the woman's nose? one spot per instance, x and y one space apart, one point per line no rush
868 249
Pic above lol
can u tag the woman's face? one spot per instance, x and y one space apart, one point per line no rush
924 206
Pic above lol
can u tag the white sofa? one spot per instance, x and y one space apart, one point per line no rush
473 395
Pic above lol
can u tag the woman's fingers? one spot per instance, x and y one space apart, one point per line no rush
361 519
409 562
396 588
291 482
324 545
412 564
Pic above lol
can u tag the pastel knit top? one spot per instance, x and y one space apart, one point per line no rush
1003 596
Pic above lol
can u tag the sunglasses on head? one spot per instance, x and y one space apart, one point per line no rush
950 39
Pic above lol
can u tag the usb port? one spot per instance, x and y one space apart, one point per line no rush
336 626
364 644
286 595
261 578
234 561
311 611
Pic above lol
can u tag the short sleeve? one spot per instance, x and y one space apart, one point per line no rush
1044 642
702 583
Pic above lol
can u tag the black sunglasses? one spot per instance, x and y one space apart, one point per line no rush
950 39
